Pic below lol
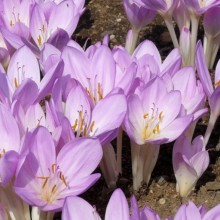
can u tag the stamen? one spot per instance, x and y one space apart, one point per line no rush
53 189
63 179
81 124
43 28
156 130
39 40
217 83
45 182
75 125
53 168
85 130
160 116
146 115
92 126
100 91
16 83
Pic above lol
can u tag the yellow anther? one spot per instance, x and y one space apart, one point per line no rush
75 125
160 116
54 188
45 182
100 91
217 83
146 115
53 168
43 28
85 130
156 130
39 40
81 125
63 179
92 126
16 83
11 23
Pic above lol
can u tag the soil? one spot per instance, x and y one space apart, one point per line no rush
107 17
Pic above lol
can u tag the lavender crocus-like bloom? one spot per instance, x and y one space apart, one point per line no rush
200 6
192 93
138 16
149 122
45 179
189 163
95 121
76 208
16 16
43 25
212 92
187 212
150 63
165 9
211 25
150 118
9 146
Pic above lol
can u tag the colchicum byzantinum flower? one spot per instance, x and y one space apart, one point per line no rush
150 122
76 208
189 163
44 178
212 92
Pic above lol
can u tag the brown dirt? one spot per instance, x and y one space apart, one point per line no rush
107 17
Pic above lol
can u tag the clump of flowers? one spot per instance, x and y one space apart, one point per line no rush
62 105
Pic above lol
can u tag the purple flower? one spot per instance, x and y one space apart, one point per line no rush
137 14
9 146
45 179
212 92
150 119
76 208
189 163
211 42
200 6
187 212
44 23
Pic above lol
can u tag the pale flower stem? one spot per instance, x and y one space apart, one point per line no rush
12 216
131 41
26 210
210 127
150 153
50 216
209 50
169 24
214 54
137 165
13 204
35 213
108 165
119 149
194 32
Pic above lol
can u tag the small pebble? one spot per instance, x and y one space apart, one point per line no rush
162 201
118 19
112 36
